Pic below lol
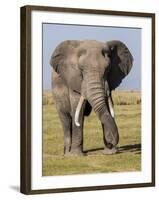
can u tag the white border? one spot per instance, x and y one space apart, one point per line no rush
39 182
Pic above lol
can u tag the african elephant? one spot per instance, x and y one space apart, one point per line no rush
83 75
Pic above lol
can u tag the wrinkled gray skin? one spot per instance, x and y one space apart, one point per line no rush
91 69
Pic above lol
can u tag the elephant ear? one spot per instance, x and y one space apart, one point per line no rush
64 61
121 62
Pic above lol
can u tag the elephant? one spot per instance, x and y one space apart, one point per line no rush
84 73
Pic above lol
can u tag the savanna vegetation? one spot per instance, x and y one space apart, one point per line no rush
127 106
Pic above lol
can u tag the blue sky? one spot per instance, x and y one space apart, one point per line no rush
53 34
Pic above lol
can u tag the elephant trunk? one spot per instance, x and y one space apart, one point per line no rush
93 91
95 94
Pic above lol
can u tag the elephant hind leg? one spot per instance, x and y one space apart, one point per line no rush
66 121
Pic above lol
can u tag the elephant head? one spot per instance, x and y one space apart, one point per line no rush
93 69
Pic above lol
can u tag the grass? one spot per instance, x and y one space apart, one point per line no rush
128 119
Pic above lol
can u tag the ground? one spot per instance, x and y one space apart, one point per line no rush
128 158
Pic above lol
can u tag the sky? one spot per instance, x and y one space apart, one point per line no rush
54 34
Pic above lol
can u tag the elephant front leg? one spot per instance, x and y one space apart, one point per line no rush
77 131
77 139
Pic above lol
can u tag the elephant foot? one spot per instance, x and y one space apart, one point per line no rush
74 153
108 151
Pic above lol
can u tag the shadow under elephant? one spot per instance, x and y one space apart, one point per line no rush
133 148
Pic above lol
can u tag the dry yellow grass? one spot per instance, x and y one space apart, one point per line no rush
128 119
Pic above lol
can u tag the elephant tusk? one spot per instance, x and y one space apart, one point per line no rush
78 109
110 104
110 101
